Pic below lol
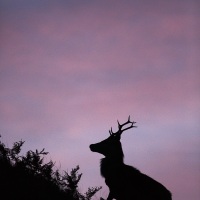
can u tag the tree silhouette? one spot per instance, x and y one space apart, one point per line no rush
29 177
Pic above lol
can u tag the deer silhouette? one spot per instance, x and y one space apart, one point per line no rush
125 182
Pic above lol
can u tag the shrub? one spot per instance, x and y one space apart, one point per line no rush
28 177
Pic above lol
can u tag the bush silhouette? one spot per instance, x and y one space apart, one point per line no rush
28 177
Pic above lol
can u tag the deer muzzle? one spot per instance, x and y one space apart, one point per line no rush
92 147
98 148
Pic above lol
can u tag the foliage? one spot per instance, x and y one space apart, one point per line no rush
28 177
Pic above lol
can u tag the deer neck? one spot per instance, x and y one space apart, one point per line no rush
110 164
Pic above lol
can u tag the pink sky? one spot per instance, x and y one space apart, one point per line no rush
70 69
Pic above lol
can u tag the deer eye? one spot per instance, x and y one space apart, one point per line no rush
113 137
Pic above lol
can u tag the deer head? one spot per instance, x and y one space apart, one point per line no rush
112 146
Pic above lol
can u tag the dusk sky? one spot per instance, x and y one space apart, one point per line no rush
69 69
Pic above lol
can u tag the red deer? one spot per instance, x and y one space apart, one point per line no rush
125 182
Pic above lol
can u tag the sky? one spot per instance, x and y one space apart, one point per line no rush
69 69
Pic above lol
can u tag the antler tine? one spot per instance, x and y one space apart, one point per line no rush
129 127
120 126
128 122
111 131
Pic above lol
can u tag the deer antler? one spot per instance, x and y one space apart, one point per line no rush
120 126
